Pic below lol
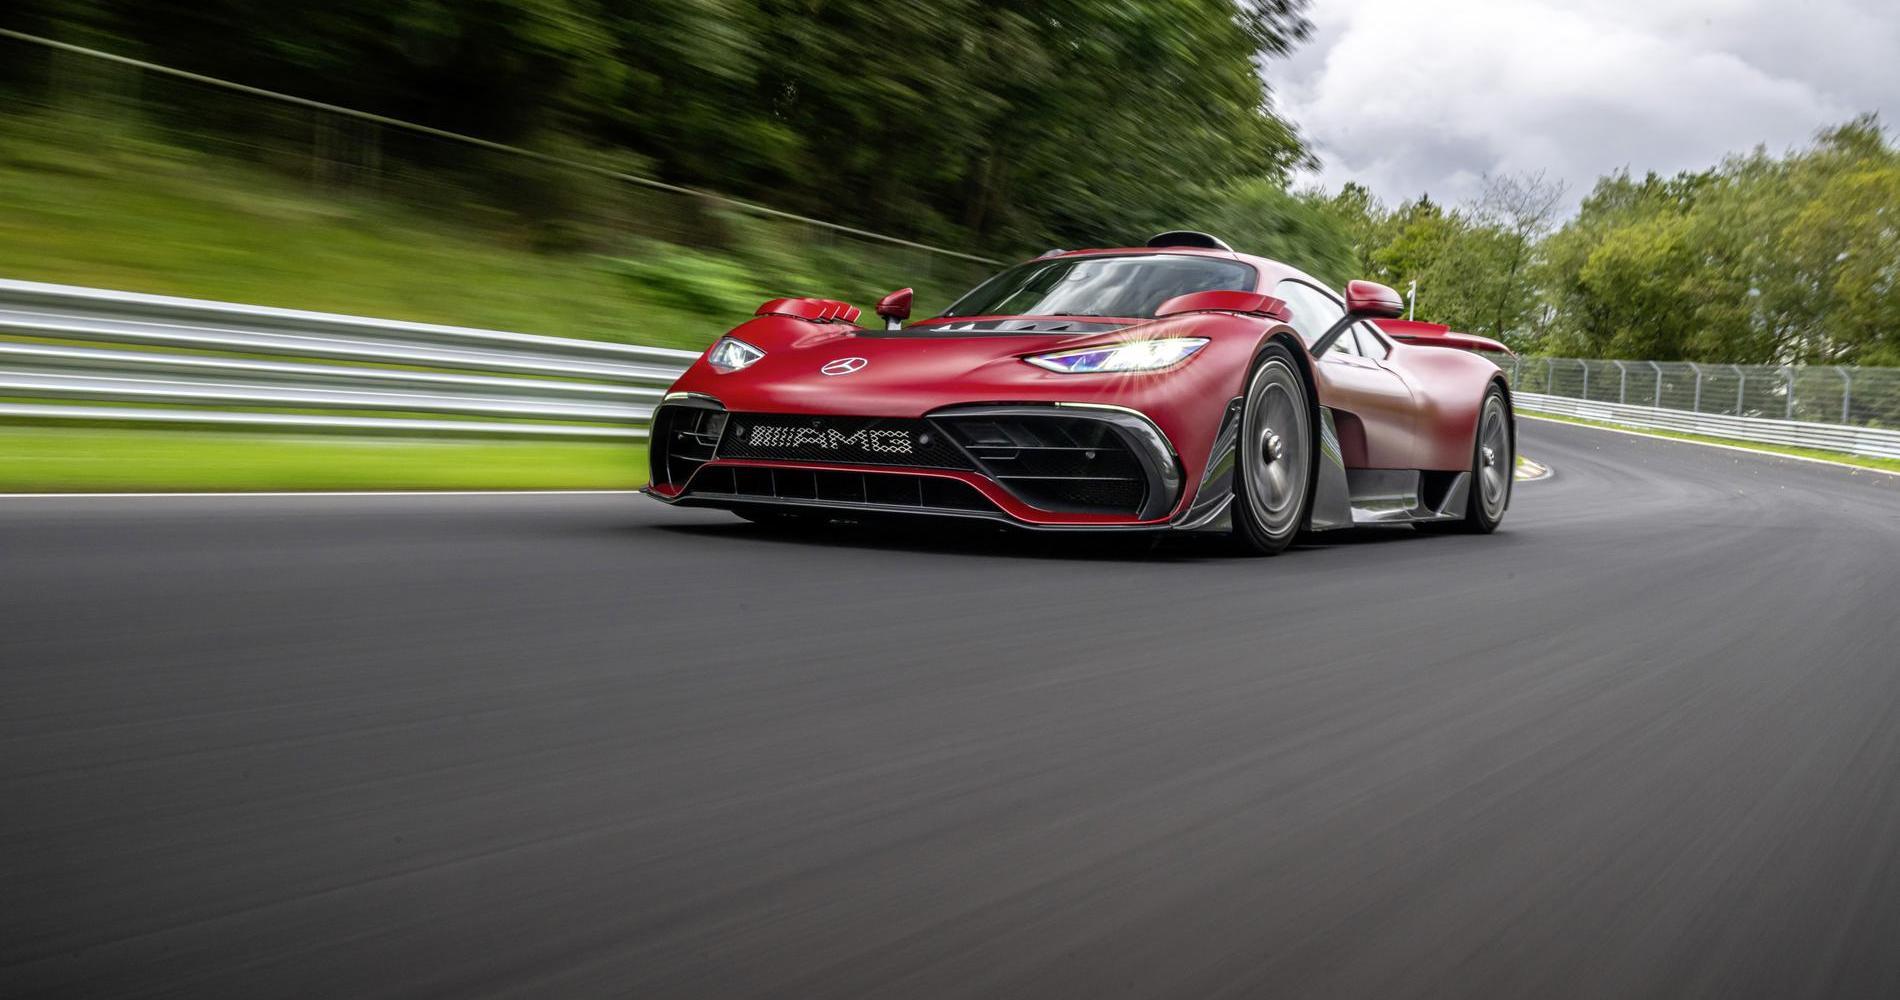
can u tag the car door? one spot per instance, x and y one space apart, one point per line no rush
1373 410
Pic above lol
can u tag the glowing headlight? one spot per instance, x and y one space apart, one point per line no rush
1134 356
731 354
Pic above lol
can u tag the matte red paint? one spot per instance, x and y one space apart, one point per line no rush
1416 408
1437 335
1369 298
816 310
1223 301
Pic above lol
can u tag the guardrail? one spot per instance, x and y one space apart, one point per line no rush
1877 442
158 359
84 354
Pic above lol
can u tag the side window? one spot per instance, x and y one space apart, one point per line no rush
1314 311
1369 343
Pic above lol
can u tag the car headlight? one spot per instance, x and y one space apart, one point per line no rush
732 354
1134 356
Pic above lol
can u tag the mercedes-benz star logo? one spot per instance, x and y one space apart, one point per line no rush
843 366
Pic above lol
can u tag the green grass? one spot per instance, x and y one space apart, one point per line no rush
68 460
124 212
1846 458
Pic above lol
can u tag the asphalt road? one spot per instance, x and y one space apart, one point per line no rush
1645 741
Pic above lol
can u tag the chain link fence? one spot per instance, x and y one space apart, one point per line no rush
1864 397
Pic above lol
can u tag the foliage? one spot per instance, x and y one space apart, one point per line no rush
1004 124
150 217
1259 216
997 126
1474 266
1760 260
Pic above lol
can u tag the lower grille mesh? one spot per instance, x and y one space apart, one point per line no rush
879 489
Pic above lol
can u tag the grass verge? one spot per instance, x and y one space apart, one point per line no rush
129 212
75 460
1842 458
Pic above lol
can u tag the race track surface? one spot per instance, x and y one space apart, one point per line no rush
1644 742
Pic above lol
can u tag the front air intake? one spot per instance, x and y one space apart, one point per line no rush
1055 462
682 439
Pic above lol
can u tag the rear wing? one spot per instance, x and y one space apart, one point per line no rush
1435 335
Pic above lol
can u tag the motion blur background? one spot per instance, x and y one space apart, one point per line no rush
1644 741
645 172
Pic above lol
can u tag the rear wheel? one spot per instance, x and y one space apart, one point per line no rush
1273 473
1493 468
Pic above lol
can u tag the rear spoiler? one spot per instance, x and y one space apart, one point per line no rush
1436 335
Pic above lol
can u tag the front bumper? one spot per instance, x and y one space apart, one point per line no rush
1057 465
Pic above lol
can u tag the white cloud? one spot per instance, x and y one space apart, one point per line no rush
1411 96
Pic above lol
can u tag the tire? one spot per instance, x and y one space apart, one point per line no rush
1493 469
784 520
1274 470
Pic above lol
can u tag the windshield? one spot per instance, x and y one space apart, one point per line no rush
1132 287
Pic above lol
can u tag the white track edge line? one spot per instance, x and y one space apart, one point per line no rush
1711 444
182 494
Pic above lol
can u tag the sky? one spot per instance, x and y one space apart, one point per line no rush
1430 96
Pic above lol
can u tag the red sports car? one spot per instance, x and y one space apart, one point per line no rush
1178 386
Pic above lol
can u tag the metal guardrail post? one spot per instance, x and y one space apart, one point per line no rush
1658 368
1585 365
1622 383
1550 375
1790 373
1847 394
1741 387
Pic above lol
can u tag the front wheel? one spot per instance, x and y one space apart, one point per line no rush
1273 472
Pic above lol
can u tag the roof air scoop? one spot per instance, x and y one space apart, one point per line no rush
1189 238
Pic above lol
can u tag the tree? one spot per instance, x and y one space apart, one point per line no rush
1260 216
1518 210
1008 123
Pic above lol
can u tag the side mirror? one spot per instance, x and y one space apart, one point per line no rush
1371 300
1364 300
895 308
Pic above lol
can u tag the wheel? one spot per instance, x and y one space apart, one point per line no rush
1273 472
787 520
1493 468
